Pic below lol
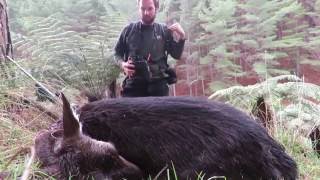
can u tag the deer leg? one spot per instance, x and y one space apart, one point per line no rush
125 169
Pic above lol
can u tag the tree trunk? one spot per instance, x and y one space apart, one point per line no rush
5 41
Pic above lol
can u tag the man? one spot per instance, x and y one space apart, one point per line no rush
142 51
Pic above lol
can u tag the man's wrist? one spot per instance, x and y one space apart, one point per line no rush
122 65
183 39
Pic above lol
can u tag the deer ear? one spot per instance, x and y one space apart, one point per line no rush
70 121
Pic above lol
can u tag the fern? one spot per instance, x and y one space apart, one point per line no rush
300 114
77 51
246 36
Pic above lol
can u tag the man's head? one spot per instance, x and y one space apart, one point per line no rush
148 10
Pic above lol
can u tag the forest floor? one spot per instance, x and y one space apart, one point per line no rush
21 118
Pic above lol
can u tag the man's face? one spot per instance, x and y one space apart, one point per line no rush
147 11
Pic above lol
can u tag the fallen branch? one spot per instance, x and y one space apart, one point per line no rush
51 95
27 170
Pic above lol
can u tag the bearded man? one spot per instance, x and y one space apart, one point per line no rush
142 51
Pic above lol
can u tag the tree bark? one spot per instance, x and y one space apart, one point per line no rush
5 41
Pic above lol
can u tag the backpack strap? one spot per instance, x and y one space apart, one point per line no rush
131 30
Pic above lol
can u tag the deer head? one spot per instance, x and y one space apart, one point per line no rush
80 156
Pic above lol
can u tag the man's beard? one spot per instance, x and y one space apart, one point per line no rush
148 20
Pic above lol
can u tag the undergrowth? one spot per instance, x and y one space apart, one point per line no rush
17 134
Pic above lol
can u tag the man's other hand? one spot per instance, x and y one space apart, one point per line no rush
177 31
128 68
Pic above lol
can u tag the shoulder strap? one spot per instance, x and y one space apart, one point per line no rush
131 29
165 34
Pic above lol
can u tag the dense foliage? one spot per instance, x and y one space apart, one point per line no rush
68 43
68 46
235 39
254 39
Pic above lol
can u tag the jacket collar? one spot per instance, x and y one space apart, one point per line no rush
140 25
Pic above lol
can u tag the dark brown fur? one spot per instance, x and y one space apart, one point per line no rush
263 112
64 152
315 139
194 135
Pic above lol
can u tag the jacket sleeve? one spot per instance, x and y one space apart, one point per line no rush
174 48
120 47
